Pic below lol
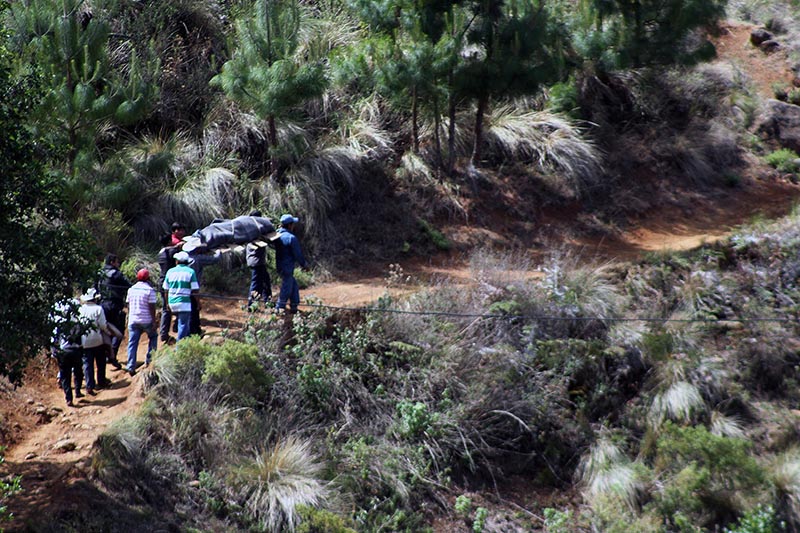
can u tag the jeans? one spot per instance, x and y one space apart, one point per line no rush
290 291
184 319
134 333
260 285
95 357
166 317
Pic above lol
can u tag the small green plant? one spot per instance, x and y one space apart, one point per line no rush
435 236
479 522
320 521
785 160
8 487
761 519
793 97
415 419
463 506
556 521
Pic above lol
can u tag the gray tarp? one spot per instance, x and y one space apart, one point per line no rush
239 230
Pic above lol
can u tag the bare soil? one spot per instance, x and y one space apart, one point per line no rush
50 444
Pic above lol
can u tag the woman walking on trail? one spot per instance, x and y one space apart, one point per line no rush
287 255
94 352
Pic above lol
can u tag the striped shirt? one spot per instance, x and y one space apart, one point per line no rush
139 299
179 282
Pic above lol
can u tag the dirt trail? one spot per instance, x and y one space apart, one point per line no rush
58 440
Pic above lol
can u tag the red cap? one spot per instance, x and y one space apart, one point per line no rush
143 275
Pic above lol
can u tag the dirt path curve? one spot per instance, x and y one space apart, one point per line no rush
57 440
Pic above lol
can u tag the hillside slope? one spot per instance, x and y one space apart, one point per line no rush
55 480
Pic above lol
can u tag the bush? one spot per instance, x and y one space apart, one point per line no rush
785 160
320 521
236 369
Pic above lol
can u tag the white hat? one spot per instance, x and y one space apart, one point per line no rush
90 295
181 257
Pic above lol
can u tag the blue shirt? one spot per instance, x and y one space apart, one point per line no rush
288 252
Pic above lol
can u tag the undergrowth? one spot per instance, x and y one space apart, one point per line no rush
658 389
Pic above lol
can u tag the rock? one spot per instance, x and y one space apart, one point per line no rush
796 81
30 456
769 46
781 121
30 401
759 35
65 445
40 410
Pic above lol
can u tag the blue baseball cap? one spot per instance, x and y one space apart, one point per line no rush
288 219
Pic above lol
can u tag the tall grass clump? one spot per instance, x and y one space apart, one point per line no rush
272 485
606 473
550 141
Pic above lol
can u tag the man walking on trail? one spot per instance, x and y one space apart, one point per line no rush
180 284
288 255
68 350
142 318
166 260
114 287
260 284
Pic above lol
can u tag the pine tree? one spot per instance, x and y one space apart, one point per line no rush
264 73
69 45
513 51
637 33
42 257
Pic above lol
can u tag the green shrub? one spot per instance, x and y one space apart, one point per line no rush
556 521
479 522
794 96
435 236
415 419
708 472
758 520
183 363
236 369
320 521
785 160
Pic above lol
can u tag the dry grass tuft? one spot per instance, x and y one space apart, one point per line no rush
605 471
549 140
277 480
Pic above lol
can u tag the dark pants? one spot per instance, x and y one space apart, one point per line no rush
194 323
95 358
69 366
260 285
166 317
116 316
290 291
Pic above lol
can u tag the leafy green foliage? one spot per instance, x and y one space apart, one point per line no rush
43 257
235 367
784 159
8 488
761 519
320 521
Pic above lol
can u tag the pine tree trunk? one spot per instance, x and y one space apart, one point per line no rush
414 120
272 141
437 123
483 103
451 130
